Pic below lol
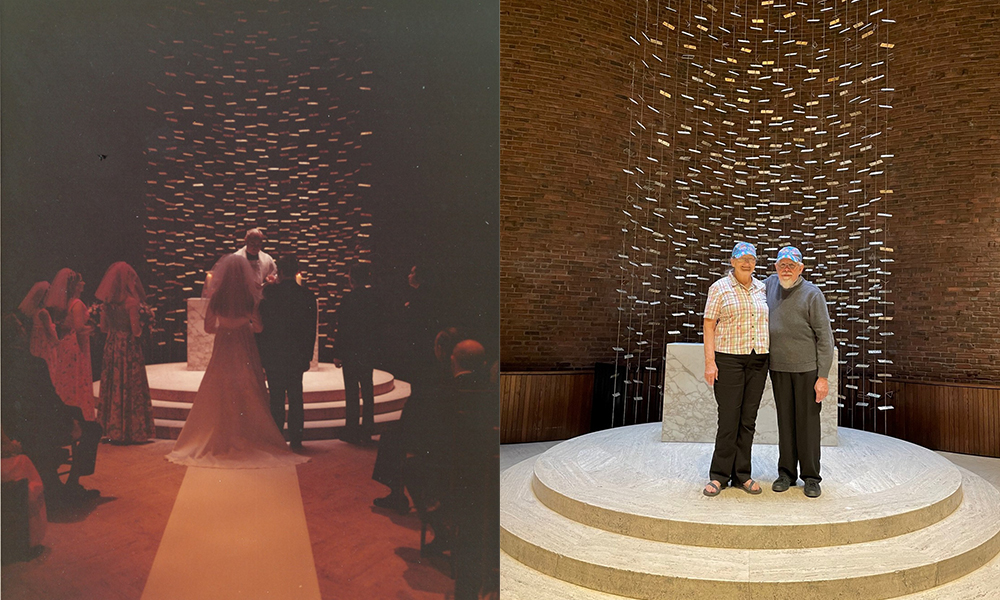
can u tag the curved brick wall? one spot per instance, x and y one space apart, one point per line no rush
564 85
563 88
946 212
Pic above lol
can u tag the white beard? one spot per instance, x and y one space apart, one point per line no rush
789 284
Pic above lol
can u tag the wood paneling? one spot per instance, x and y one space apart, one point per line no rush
946 416
556 405
542 406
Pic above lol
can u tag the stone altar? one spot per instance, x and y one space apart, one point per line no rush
199 343
690 413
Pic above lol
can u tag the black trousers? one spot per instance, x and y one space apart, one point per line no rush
47 458
390 458
798 424
359 374
282 383
738 390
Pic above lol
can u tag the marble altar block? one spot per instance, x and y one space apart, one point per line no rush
690 413
199 343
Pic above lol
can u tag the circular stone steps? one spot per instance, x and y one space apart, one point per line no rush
942 543
518 582
637 485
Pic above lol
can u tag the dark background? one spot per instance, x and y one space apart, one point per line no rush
74 84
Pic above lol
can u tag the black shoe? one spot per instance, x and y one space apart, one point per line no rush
812 489
436 548
295 445
781 484
69 497
395 501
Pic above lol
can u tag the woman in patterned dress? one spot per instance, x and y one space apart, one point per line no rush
69 362
125 411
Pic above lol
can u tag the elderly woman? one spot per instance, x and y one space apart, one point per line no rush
736 359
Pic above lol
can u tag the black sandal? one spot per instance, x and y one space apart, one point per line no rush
712 489
748 487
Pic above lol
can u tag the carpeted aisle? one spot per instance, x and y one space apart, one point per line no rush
235 533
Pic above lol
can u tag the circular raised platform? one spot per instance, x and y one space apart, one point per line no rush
173 388
639 486
618 512
173 381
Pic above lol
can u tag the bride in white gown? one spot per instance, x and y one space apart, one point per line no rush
230 424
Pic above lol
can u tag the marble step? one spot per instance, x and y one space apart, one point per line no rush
640 568
168 429
519 582
173 382
391 400
627 481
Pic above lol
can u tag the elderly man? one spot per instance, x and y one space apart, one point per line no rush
801 358
262 263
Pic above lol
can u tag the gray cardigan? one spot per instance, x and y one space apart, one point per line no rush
799 323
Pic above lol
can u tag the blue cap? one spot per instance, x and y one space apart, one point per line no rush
742 249
791 253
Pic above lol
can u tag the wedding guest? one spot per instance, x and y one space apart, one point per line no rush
125 410
469 508
261 262
736 358
288 315
36 417
419 426
69 363
15 466
355 349
418 326
38 321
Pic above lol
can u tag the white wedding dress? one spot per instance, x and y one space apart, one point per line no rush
230 424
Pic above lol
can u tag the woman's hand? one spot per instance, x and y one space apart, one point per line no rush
711 372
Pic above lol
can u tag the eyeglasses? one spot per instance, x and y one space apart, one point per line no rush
746 259
786 266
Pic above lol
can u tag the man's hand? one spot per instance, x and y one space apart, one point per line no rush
711 372
822 387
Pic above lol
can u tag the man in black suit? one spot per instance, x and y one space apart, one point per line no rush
355 349
288 313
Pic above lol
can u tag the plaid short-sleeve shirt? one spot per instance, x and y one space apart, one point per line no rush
742 316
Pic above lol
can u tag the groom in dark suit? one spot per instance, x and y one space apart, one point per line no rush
288 313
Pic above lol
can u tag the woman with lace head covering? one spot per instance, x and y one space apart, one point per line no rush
69 363
37 321
230 423
125 411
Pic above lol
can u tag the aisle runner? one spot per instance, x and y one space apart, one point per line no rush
235 533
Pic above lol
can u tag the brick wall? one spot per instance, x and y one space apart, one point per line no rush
946 209
564 84
563 90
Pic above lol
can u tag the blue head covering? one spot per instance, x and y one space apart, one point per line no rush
742 249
